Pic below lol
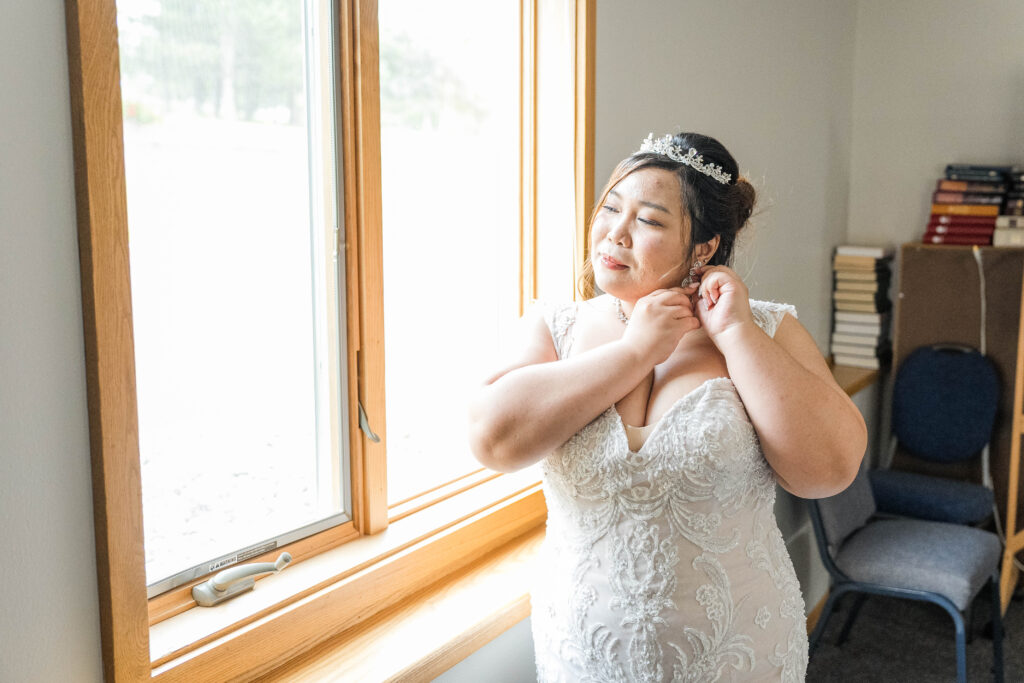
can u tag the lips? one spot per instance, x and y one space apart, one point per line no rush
609 262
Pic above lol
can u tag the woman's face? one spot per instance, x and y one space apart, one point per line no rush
636 242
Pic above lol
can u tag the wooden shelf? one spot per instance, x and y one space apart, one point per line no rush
853 379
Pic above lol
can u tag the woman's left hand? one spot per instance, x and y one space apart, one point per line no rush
722 300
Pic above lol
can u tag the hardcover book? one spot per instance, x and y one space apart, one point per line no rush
962 240
856 350
970 186
972 176
965 198
842 261
871 363
955 229
961 220
870 341
1012 205
860 329
857 286
861 307
876 318
1008 237
990 170
965 209
870 252
867 297
1009 222
882 272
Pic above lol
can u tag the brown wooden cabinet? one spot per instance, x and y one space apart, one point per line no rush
939 299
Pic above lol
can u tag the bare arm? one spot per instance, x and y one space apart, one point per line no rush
527 410
812 434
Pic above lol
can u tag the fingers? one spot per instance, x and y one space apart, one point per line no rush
711 280
669 296
693 324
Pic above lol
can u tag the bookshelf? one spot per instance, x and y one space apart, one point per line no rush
938 299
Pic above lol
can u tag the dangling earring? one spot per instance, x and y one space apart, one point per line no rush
693 273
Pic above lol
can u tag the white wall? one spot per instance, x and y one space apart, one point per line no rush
772 82
49 628
506 659
935 81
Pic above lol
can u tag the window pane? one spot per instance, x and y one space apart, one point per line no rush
230 212
449 81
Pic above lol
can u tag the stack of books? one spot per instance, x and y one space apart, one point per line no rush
1009 230
861 306
966 203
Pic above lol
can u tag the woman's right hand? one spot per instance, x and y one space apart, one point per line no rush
660 320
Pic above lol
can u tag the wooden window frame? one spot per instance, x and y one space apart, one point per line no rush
390 564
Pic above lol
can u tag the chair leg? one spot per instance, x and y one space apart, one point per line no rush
826 612
961 645
997 630
861 599
969 622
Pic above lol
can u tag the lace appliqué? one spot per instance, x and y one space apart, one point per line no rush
560 319
768 314
767 549
642 580
724 647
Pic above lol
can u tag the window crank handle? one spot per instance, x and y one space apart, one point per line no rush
234 581
223 580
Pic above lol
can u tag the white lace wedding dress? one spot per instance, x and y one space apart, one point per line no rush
666 563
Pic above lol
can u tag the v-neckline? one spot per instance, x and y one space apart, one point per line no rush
658 423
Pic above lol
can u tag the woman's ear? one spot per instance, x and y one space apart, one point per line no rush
706 250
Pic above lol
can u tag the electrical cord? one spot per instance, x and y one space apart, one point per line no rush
986 468
986 471
1003 537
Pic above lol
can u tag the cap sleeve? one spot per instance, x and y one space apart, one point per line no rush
559 317
768 314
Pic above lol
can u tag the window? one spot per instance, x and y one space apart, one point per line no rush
449 162
232 218
434 526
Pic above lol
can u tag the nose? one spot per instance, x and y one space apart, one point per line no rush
618 231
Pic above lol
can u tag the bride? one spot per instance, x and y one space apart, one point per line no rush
663 413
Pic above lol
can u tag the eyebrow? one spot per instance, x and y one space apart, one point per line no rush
652 205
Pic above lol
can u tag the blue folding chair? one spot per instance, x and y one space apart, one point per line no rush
944 404
938 562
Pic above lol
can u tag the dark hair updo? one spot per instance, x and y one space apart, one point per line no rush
714 208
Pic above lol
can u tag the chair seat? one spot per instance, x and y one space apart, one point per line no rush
950 559
927 497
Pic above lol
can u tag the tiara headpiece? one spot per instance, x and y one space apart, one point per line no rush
690 157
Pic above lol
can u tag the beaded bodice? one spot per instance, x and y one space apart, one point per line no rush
666 563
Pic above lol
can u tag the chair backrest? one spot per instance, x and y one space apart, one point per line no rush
846 512
944 402
836 518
